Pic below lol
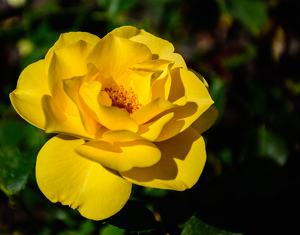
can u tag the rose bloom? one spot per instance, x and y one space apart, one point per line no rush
127 110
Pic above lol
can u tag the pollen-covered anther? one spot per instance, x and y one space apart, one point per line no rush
127 101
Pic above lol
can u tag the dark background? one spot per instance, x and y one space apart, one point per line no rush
248 51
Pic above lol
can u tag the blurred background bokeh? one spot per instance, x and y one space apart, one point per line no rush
248 51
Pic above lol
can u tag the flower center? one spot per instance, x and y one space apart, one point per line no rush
127 101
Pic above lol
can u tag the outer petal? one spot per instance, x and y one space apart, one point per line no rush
64 176
161 48
121 156
26 98
72 37
59 122
72 88
198 97
182 161
206 120
68 39
67 62
182 119
126 31
72 59
200 77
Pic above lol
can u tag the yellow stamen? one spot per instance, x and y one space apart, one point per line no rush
127 101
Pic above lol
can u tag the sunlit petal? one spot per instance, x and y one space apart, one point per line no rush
126 31
155 75
162 49
26 98
72 88
66 63
64 176
67 39
59 122
141 83
114 55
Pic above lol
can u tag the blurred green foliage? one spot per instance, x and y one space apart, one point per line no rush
248 51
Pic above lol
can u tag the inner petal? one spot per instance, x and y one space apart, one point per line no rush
112 117
150 80
114 55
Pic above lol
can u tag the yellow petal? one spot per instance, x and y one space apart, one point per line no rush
195 89
161 86
198 101
160 48
126 31
179 122
182 161
72 89
152 79
59 122
64 176
152 109
26 98
67 62
152 130
206 120
114 55
121 136
121 156
111 117
72 37
141 83
67 39
200 77
72 59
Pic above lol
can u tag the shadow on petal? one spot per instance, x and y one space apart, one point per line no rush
177 88
178 122
121 156
182 161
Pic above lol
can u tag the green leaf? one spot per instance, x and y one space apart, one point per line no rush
115 7
240 58
218 93
109 229
21 134
154 192
11 134
272 146
87 227
135 216
19 145
14 171
194 226
252 14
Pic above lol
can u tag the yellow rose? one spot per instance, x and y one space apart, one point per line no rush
127 110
